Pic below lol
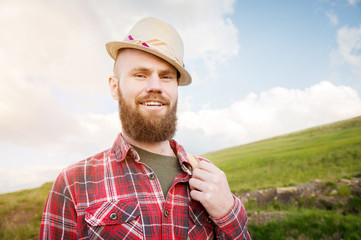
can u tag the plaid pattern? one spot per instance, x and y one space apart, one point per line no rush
112 195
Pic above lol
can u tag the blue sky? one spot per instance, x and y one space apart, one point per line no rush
287 44
259 69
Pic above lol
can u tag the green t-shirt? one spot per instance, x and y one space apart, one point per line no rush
166 168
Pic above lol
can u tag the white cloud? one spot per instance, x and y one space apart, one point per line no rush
270 113
63 44
353 2
30 115
60 146
349 43
209 36
332 17
98 132
53 43
14 179
49 48
257 116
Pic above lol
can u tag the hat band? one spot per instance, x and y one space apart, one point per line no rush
156 45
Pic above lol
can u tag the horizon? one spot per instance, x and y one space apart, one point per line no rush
257 141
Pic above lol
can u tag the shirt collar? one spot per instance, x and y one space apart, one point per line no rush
122 148
182 156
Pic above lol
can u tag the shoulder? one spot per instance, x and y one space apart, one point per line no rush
72 179
77 170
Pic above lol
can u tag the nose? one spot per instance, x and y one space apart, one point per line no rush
154 84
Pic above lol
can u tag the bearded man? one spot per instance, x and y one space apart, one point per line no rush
146 186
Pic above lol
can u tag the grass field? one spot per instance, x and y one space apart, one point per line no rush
20 213
327 152
310 224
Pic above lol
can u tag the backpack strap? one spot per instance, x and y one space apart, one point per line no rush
192 160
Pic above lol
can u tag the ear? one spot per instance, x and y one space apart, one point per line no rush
113 87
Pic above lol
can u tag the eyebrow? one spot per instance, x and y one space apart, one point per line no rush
168 71
144 69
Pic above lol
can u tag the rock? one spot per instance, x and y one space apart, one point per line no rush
326 202
333 192
355 181
310 189
356 190
287 195
287 190
318 194
265 196
346 181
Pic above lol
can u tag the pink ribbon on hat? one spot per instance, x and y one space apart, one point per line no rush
154 42
137 41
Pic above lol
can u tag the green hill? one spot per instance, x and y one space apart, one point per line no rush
328 152
20 213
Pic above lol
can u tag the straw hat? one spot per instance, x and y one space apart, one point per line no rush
154 36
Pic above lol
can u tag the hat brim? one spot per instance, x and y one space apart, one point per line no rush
113 48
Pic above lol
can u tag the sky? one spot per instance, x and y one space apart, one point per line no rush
260 69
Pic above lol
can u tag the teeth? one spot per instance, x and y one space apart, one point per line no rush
152 104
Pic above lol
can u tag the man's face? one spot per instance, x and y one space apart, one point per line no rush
147 94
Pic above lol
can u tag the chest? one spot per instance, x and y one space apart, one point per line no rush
129 202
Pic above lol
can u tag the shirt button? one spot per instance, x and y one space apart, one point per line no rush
166 213
113 216
208 220
151 176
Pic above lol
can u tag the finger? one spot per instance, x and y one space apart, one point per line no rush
207 166
201 174
191 185
196 184
196 195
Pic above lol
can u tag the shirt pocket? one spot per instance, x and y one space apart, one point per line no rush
119 219
200 225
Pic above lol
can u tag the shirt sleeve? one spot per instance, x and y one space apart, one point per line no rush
234 224
59 220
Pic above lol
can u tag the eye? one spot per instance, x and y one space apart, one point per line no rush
139 75
168 77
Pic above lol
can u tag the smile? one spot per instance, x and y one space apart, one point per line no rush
153 104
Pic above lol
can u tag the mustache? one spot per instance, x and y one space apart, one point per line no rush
153 97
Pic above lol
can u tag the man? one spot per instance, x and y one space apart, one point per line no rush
145 186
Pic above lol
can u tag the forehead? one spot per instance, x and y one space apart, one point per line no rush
132 58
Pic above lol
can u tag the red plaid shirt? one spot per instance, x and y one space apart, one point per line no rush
112 195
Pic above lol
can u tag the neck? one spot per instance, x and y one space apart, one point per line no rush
162 148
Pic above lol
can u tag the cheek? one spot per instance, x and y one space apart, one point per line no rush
130 92
173 93
175 96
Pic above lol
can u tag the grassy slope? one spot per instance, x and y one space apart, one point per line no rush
327 152
310 224
20 213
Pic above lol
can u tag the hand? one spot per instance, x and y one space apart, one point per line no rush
209 186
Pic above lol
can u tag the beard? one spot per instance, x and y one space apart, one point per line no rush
148 128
